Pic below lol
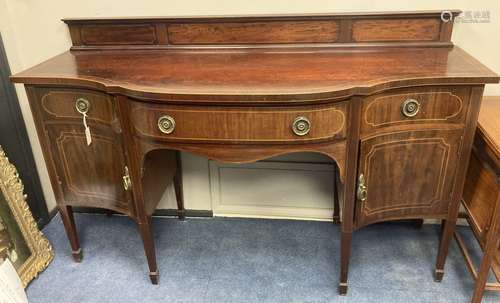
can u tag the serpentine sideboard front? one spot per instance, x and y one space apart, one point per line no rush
387 96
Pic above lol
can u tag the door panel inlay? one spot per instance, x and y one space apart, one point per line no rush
407 174
408 152
89 175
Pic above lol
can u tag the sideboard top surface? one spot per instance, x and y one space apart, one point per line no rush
270 73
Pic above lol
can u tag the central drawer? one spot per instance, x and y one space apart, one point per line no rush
239 124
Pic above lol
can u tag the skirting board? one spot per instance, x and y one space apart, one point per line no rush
158 212
194 213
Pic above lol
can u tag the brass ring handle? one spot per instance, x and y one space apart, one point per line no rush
82 105
410 108
362 192
301 126
166 124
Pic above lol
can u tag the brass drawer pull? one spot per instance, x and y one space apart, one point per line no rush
82 105
166 124
362 192
410 108
301 126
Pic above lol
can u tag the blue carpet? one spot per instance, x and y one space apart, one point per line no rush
250 260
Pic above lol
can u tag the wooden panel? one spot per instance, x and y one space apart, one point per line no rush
336 30
272 189
437 106
479 195
254 32
89 175
109 34
377 30
240 124
60 104
408 175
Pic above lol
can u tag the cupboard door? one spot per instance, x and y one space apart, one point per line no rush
406 175
89 175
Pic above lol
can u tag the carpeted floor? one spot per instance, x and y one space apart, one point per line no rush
249 260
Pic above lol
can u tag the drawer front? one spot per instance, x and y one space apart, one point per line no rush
400 109
242 124
61 104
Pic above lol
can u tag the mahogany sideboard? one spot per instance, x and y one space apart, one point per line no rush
481 197
387 96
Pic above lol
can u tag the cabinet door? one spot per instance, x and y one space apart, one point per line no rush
89 175
407 175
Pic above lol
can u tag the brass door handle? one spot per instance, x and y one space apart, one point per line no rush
410 108
82 105
362 192
301 126
166 124
127 182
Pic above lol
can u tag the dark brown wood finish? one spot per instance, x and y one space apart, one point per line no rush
448 225
349 191
235 86
443 107
178 187
481 198
96 183
408 174
242 124
425 28
258 77
253 32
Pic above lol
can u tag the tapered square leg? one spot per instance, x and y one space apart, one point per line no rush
447 229
438 275
344 261
70 227
154 277
490 251
181 211
149 248
336 199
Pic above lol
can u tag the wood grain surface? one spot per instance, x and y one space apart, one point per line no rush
258 76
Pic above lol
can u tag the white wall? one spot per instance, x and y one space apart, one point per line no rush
32 32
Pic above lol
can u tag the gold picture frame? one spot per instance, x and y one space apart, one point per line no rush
39 251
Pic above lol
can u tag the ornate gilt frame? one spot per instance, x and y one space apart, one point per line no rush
41 250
